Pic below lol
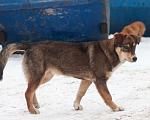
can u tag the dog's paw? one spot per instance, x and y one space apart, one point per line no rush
36 105
77 106
37 111
119 108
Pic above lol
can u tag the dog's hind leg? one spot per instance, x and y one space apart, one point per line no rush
103 91
35 102
33 84
29 97
84 85
48 77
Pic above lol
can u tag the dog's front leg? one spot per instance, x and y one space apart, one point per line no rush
84 85
103 91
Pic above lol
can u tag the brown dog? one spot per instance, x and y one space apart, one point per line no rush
89 61
136 28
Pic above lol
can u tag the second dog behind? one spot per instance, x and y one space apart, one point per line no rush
136 28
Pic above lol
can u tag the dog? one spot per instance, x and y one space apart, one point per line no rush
92 62
137 28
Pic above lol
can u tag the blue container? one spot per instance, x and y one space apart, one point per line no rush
61 20
124 12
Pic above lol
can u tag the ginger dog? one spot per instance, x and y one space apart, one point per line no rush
136 28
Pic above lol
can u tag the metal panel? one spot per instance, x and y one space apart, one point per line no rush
37 20
124 12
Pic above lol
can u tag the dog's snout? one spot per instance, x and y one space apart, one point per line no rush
134 59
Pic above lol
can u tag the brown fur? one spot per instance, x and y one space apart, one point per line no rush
89 61
136 28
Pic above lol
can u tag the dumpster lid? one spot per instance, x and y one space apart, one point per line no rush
28 4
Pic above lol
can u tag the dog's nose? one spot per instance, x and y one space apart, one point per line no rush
134 59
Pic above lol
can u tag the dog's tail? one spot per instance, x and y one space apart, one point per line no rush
7 51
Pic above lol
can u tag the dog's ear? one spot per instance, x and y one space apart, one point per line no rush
119 38
137 38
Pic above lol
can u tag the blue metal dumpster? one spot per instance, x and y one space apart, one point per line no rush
61 20
124 12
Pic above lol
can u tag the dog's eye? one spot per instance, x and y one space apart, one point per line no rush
125 47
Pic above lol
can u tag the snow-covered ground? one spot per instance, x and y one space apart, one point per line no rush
129 87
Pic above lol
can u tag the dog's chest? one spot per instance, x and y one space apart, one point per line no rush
116 67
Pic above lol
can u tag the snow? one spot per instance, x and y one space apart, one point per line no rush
129 86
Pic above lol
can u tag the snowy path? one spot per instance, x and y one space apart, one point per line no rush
129 87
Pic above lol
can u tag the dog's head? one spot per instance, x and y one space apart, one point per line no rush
125 45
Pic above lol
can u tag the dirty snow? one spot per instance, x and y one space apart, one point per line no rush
129 87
